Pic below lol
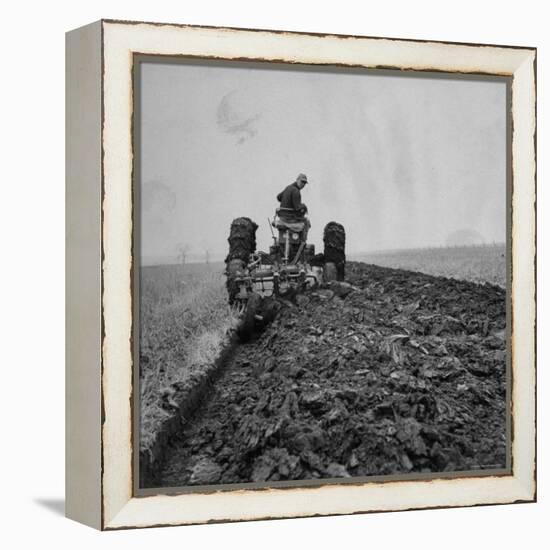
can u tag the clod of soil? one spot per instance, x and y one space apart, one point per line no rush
390 372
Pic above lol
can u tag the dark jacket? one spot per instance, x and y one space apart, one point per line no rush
291 198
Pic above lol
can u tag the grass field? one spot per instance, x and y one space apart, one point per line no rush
478 264
184 321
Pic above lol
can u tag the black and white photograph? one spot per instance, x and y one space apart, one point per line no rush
321 256
274 274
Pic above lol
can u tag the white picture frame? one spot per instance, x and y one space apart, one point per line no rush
99 390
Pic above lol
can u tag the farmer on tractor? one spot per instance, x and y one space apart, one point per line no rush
255 277
292 211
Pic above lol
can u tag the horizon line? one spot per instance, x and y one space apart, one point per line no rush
150 261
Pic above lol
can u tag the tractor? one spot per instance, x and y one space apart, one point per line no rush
256 280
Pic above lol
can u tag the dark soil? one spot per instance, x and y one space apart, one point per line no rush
391 372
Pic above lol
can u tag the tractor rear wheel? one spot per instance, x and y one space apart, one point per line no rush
334 238
242 240
248 321
242 243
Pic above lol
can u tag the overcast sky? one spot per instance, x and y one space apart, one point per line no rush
401 161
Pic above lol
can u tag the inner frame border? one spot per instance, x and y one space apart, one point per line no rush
138 60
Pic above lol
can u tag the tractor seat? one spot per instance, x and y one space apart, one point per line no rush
283 225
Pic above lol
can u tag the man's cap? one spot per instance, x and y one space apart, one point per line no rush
302 177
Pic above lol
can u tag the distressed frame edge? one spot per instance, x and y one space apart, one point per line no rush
524 490
524 270
315 34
